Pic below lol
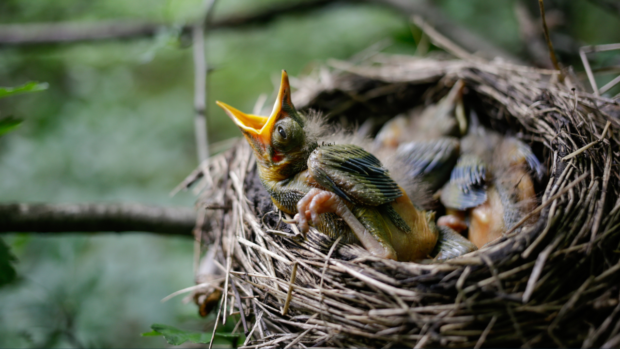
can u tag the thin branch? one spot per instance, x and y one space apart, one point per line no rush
554 59
443 42
200 92
57 218
200 82
600 48
586 66
530 36
64 33
610 85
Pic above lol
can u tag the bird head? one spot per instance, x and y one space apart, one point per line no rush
278 140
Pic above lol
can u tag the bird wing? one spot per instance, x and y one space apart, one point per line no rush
467 185
431 161
515 151
353 174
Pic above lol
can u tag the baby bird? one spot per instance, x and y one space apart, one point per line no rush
425 142
340 189
489 189
490 185
444 119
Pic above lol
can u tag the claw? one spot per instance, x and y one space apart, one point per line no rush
319 201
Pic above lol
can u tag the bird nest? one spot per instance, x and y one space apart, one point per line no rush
554 282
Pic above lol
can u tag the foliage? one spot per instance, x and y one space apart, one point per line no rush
176 336
7 271
10 123
31 86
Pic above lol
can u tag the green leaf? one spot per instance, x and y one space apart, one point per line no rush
151 334
176 336
31 86
8 124
7 272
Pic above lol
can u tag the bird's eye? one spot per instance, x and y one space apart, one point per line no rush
281 132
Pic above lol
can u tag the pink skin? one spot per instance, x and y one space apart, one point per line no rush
319 201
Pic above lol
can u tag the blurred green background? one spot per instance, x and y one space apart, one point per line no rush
116 125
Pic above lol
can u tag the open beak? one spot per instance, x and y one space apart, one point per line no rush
261 127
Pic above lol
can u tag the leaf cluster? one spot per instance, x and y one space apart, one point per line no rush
175 336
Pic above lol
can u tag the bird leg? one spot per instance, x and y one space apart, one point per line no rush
319 201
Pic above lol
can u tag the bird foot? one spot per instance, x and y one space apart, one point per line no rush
316 202
319 201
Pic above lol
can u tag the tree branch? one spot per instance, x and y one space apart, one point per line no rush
200 82
63 33
48 218
32 34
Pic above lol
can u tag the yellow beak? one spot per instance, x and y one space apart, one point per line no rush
261 127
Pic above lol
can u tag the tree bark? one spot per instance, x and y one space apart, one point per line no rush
57 218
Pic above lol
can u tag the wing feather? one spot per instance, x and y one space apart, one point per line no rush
353 174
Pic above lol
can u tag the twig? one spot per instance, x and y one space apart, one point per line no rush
200 82
484 334
217 320
78 218
537 270
530 36
612 343
299 338
586 66
601 48
228 263
263 250
200 91
256 324
443 42
610 84
554 59
601 203
570 304
331 250
289 294
240 306
589 342
589 145
211 283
